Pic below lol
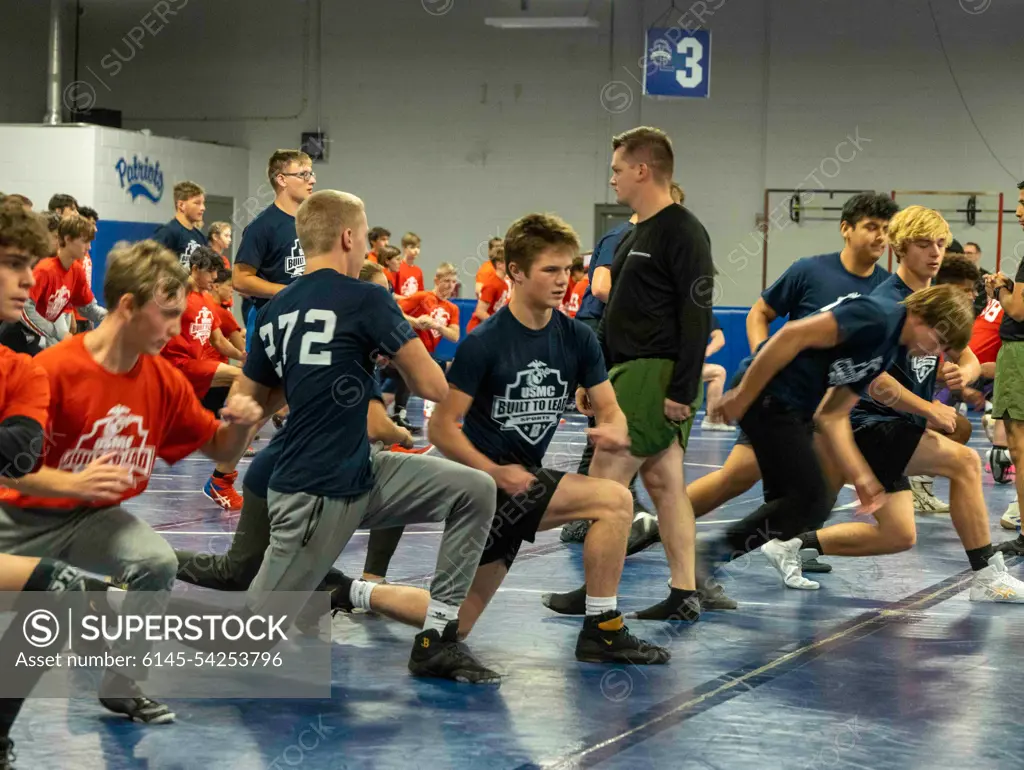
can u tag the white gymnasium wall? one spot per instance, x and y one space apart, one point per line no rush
39 161
452 129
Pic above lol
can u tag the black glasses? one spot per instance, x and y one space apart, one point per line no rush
305 176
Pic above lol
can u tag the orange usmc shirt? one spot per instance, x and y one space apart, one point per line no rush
578 290
198 323
24 388
146 413
57 290
427 303
495 292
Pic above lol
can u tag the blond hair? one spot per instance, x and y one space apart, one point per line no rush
185 191
369 270
146 270
322 218
916 222
947 310
217 228
678 195
411 240
651 146
530 235
280 160
445 268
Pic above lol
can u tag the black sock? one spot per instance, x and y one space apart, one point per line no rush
999 446
341 591
569 603
680 605
979 556
218 475
810 540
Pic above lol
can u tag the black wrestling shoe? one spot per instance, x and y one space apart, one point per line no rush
605 638
7 755
568 603
443 656
713 597
1012 547
643 534
139 708
575 531
401 422
812 564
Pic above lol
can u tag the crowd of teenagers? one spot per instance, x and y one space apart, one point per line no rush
862 386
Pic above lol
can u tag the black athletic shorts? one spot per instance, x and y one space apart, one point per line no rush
215 398
888 445
517 518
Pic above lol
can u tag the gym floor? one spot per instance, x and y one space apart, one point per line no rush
887 666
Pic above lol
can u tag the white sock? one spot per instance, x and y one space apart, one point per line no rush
439 615
401 413
359 593
597 605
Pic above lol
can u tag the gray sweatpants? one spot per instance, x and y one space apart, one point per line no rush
308 533
108 541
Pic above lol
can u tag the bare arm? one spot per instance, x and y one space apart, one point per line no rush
225 348
481 310
423 376
445 432
758 319
450 333
380 427
717 343
833 420
601 286
231 439
248 284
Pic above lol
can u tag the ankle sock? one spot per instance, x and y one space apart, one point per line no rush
680 605
979 556
439 615
53 575
598 605
359 592
810 540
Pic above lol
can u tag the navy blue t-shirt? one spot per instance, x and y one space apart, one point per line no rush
869 333
269 244
257 478
316 338
180 240
915 373
520 379
604 254
812 283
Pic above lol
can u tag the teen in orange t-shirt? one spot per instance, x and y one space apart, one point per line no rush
494 294
62 284
410 277
391 262
576 297
378 239
115 406
191 351
220 294
576 274
430 312
495 248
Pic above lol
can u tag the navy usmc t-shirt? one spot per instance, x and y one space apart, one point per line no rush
915 373
180 240
270 244
869 333
316 339
812 283
520 380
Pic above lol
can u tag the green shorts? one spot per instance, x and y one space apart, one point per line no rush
1008 393
640 388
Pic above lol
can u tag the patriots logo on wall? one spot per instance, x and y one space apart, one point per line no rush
143 179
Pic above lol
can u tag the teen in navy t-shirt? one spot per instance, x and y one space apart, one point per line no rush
180 239
510 382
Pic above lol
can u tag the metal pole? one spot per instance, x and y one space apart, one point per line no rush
999 235
53 67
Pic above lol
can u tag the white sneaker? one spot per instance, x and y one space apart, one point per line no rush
925 500
719 426
785 557
995 584
1011 518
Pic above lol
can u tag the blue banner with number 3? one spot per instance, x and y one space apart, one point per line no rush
678 62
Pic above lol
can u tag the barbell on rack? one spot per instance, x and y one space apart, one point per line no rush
797 208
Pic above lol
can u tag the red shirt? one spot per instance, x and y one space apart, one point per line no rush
572 307
409 281
495 292
228 326
486 271
198 323
87 266
24 388
427 303
985 340
138 416
57 290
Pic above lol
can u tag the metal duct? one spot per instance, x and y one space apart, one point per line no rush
53 68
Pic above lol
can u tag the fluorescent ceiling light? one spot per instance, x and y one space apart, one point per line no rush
542 22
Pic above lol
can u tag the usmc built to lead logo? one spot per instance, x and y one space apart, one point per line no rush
533 403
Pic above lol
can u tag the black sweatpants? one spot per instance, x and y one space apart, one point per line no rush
797 497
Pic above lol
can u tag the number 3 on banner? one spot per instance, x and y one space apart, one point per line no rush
692 51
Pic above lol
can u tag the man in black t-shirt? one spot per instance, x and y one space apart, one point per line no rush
509 384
